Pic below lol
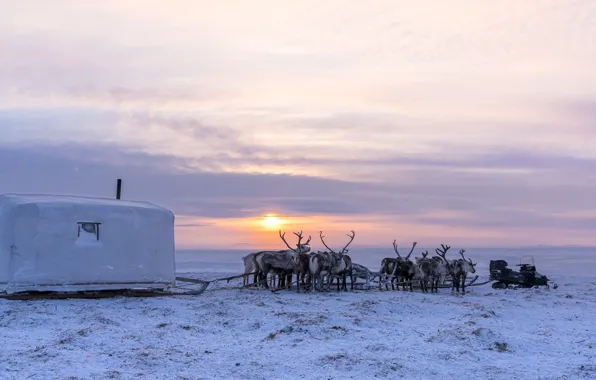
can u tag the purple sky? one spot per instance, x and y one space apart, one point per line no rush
464 122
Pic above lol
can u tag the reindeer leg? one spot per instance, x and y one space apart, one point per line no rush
463 283
266 278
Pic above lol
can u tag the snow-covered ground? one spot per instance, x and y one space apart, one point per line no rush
256 334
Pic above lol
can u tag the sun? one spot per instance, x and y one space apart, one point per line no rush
271 221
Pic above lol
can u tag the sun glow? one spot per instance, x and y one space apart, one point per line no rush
271 221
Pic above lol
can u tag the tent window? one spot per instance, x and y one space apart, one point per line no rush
91 228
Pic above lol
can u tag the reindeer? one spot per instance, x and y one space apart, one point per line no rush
301 259
281 262
341 264
274 263
425 271
399 268
250 266
445 267
440 272
462 267
320 266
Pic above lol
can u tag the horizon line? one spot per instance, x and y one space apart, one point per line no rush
389 248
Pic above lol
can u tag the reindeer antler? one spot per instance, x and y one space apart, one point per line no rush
323 241
283 237
395 248
298 245
443 251
345 248
424 254
411 250
461 252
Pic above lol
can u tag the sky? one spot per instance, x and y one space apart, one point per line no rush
463 122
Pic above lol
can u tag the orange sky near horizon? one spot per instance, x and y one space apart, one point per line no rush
371 231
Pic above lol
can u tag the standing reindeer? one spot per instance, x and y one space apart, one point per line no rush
320 266
463 266
431 270
301 260
341 264
425 271
281 262
399 269
250 266
457 268
447 266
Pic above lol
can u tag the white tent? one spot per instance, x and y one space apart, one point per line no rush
68 243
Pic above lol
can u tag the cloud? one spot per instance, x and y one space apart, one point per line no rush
462 199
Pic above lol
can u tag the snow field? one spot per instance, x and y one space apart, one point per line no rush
257 334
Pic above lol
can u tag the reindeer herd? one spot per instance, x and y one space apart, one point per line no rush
317 270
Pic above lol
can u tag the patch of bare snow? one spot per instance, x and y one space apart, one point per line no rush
257 334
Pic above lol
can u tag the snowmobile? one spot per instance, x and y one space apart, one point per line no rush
526 277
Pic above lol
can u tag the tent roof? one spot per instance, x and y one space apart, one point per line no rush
52 200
